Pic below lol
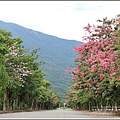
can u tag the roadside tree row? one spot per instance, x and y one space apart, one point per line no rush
96 77
22 83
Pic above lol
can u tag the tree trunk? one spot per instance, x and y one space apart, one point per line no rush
36 106
43 105
17 103
97 107
5 101
116 107
113 106
32 106
89 106
40 105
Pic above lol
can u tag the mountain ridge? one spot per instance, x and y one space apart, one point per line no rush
38 31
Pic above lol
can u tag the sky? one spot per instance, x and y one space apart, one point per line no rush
64 19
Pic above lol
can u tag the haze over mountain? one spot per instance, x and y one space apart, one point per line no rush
57 53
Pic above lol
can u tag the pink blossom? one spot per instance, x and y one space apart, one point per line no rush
75 85
13 53
75 70
97 88
102 55
105 64
107 21
118 78
101 76
24 74
73 78
94 48
67 72
82 73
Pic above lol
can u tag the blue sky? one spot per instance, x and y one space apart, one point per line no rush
64 19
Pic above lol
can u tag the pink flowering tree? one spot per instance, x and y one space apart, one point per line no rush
15 61
97 69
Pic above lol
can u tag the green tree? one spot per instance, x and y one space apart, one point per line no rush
22 83
4 78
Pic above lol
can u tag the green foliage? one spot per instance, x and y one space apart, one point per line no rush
21 78
3 73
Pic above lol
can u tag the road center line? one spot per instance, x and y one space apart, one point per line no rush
61 115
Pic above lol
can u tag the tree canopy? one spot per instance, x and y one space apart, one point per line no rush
22 83
96 77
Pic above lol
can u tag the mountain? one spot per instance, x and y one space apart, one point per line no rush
57 54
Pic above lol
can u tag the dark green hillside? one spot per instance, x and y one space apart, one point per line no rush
57 54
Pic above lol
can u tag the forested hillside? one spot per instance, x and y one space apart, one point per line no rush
57 54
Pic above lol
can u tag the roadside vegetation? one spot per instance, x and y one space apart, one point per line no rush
22 83
96 76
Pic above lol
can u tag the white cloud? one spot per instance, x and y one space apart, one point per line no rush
64 19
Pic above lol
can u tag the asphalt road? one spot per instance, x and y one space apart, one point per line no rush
52 114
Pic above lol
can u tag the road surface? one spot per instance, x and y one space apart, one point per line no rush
53 114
